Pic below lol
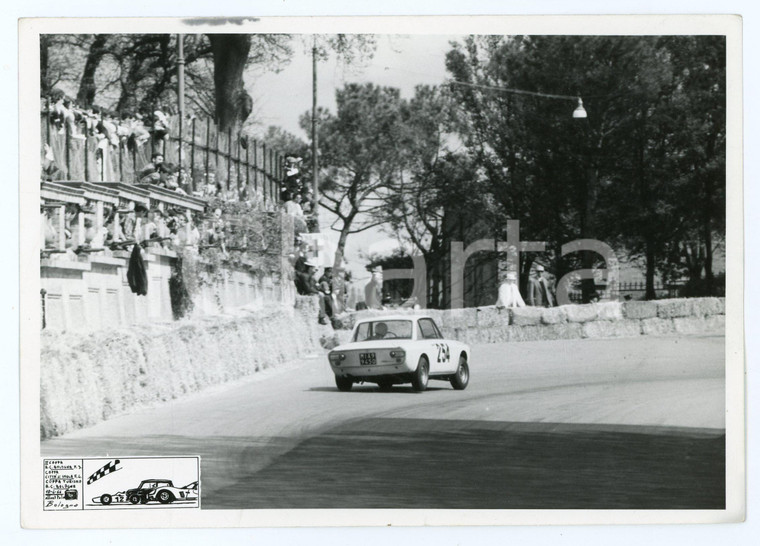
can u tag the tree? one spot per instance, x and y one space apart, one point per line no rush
360 151
87 88
347 48
138 72
233 103
233 53
431 180
614 176
60 59
700 69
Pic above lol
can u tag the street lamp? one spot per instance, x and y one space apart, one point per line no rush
590 178
314 136
580 111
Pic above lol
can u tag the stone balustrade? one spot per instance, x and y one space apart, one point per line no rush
88 231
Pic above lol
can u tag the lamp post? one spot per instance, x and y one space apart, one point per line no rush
180 89
588 285
314 136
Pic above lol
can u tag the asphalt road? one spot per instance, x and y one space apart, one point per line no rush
626 423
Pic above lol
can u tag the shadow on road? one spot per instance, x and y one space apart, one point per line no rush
429 463
371 388
437 463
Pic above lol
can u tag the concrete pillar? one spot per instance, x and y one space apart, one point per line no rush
62 227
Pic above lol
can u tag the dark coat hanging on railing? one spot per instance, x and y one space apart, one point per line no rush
137 277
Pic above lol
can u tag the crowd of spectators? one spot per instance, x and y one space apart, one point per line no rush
171 227
134 131
132 128
307 284
297 197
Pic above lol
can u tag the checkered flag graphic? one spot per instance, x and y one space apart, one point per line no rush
107 469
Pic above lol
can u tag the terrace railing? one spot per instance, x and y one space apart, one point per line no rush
232 160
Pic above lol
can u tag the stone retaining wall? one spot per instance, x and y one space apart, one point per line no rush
595 320
86 378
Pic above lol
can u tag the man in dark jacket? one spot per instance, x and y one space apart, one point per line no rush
151 173
539 293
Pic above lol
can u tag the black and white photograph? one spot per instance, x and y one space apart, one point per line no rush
433 270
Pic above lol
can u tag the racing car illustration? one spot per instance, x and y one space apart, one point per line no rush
167 493
395 349
108 498
159 490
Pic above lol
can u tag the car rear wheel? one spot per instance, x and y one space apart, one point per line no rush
165 497
421 375
134 499
344 384
106 499
462 376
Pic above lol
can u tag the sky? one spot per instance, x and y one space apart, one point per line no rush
401 61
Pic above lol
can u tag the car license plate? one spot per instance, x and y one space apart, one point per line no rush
367 359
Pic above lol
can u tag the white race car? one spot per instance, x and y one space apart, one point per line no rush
167 493
395 349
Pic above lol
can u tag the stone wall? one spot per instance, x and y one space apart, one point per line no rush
92 292
595 320
88 377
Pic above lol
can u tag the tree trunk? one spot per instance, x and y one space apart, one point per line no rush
233 103
163 72
588 286
340 249
434 293
709 276
650 257
87 89
44 77
129 80
707 212
339 285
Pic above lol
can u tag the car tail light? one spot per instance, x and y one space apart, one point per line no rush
336 358
398 354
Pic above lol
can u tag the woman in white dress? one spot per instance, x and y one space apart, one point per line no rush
509 292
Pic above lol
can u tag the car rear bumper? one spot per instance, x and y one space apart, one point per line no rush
378 370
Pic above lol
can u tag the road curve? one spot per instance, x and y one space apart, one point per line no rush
288 438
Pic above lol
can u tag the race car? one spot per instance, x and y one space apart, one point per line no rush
396 349
108 498
146 491
166 493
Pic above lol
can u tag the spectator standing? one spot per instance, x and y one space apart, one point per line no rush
539 293
50 169
307 201
290 206
373 291
324 285
151 173
509 293
160 125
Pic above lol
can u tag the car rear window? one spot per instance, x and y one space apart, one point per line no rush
428 329
384 329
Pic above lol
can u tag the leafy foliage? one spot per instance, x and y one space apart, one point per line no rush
360 147
645 171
